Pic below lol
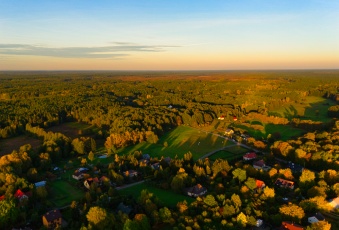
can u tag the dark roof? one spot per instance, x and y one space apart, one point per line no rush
319 216
198 189
294 167
52 215
259 163
124 208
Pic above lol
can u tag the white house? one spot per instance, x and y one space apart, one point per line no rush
316 218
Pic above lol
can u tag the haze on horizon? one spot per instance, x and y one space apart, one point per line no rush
168 35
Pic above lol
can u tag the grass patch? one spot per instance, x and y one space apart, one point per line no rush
180 141
64 193
229 154
311 108
167 197
286 131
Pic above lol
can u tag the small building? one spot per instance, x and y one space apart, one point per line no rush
124 208
316 218
229 132
260 184
287 225
155 166
78 175
167 160
131 173
250 156
259 164
40 184
222 117
235 118
259 222
296 168
334 203
284 183
90 181
52 219
20 195
197 190
146 157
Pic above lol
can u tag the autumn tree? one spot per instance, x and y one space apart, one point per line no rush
99 218
292 212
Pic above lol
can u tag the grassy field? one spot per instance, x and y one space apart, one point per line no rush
312 108
180 141
167 197
64 193
8 145
229 154
287 132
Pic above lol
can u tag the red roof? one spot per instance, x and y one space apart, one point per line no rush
286 225
260 183
251 155
2 197
18 194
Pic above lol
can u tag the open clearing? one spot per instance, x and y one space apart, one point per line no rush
64 193
167 197
181 140
229 154
8 145
70 129
312 108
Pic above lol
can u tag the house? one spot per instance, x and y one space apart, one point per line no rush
334 203
287 225
131 173
284 183
90 181
155 166
222 117
2 197
259 222
167 160
40 184
259 164
20 195
249 156
52 219
170 107
260 184
316 218
197 190
78 175
229 132
124 208
295 167
235 118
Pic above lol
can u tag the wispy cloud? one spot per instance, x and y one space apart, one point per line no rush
118 50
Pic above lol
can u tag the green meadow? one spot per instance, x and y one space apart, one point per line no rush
181 140
64 193
167 197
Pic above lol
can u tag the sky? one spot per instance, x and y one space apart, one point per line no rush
169 35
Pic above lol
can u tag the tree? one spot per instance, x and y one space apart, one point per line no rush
236 201
292 212
98 217
210 201
251 183
242 219
269 192
165 214
307 176
320 225
8 213
240 174
91 156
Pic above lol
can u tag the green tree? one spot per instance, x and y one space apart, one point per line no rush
8 213
165 214
210 201
240 174
321 225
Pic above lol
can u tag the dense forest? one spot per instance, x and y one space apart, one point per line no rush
123 109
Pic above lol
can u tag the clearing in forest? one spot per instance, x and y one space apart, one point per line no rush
181 140
168 198
14 143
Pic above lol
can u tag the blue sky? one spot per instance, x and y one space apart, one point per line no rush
170 35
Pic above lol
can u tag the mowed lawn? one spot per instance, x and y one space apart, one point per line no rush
167 197
232 153
181 140
64 193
